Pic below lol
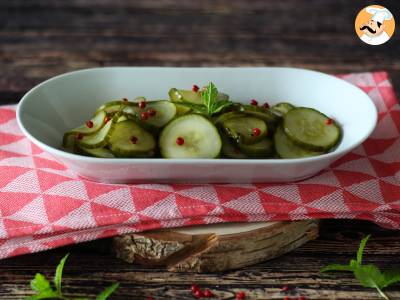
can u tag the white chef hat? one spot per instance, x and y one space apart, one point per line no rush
379 14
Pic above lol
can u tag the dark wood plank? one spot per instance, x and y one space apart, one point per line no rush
43 38
91 267
40 39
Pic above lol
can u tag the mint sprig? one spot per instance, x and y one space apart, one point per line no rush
210 100
41 285
368 275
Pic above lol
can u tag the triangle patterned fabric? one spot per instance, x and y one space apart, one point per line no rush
43 205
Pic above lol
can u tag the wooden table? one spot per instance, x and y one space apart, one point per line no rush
39 39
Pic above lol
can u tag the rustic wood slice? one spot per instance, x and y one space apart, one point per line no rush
214 248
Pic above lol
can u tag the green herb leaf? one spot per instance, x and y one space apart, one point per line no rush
391 277
337 267
209 96
43 288
58 276
361 248
107 292
211 102
220 105
40 283
368 275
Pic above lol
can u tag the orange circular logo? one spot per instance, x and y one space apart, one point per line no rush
375 25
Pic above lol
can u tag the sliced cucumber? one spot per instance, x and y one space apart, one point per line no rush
285 148
222 96
200 136
122 118
97 121
186 96
229 149
96 152
226 116
174 96
112 107
165 111
281 109
310 129
69 140
191 96
262 149
241 129
98 139
264 114
121 145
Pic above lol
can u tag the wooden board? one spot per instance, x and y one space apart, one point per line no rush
214 248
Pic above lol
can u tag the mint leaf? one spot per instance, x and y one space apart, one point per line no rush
337 267
220 105
209 96
391 277
40 283
370 276
361 248
58 276
43 288
107 292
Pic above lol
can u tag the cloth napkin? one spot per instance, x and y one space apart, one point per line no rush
44 205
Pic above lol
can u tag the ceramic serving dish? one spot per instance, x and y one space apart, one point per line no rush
65 101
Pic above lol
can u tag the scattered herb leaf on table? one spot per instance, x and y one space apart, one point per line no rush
44 290
368 275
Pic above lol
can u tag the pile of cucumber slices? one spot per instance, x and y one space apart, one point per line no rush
203 123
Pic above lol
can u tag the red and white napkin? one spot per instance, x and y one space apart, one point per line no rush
44 205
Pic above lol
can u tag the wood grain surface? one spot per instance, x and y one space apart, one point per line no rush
214 248
43 38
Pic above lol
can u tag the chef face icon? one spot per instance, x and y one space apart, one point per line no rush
375 25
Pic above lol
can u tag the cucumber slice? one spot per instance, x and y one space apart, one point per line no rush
262 149
281 109
241 129
266 115
96 152
165 112
287 149
98 122
121 145
112 107
69 140
122 118
229 149
222 96
226 116
98 139
191 96
201 138
307 127
174 96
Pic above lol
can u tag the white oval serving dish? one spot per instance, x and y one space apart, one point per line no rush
65 101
